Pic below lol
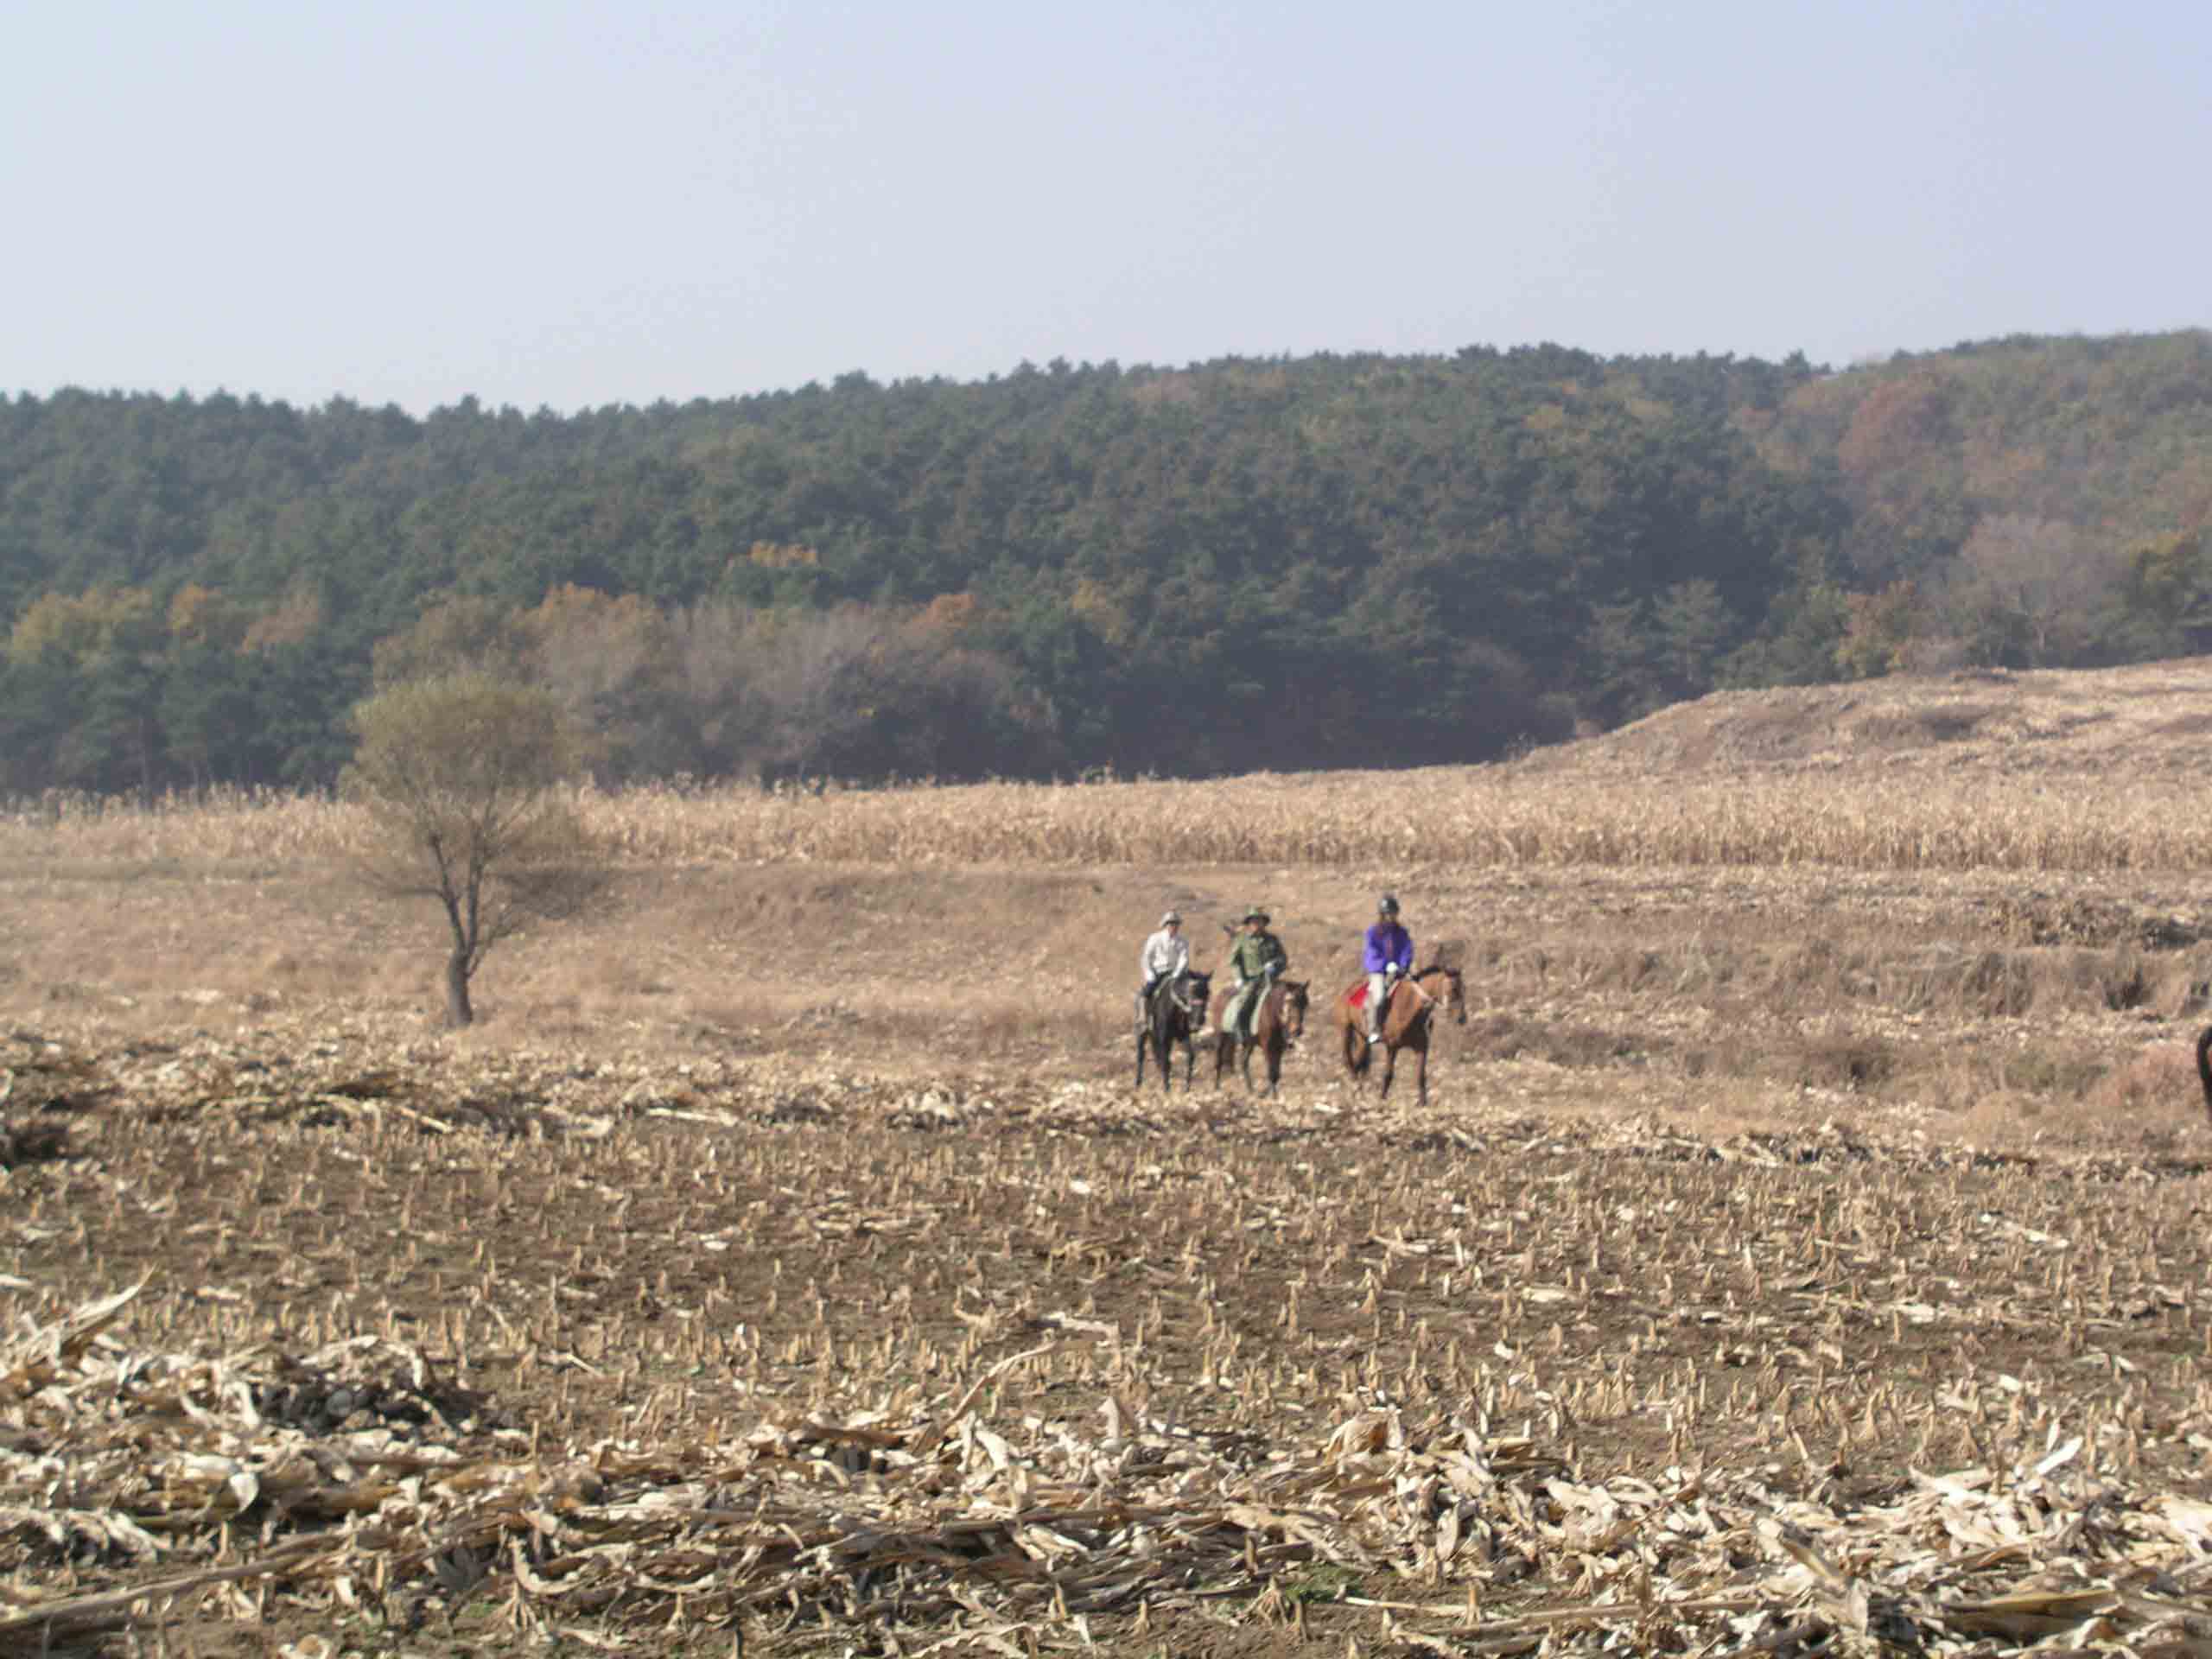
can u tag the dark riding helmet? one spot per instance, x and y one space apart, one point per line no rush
1389 905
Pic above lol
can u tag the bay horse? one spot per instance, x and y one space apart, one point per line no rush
1178 1009
1278 1021
1412 1009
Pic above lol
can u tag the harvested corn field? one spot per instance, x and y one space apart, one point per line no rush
1793 1258
415 1354
1977 773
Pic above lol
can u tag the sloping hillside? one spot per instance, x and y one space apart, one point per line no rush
2118 722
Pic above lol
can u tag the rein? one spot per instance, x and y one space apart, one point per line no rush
1428 999
1275 1005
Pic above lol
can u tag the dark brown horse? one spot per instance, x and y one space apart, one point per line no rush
1415 1003
2204 1066
1179 1008
1279 1021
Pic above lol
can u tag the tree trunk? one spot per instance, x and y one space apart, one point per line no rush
458 1011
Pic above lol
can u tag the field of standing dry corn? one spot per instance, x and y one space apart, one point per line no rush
1807 1246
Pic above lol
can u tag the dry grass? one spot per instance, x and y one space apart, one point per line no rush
1801 1250
1747 996
1463 816
2045 773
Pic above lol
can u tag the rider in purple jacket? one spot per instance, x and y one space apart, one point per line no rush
1389 954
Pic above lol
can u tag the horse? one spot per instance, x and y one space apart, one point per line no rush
1410 1012
1177 1010
2204 1066
1278 1021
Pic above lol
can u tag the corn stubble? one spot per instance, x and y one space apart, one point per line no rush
600 1340
316 1329
1854 819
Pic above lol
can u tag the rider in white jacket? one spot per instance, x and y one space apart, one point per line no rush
1165 955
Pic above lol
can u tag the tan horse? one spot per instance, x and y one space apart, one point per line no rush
1415 1003
1278 1021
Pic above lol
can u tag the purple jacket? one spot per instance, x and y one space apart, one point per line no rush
1387 943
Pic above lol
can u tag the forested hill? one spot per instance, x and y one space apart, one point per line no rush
1245 563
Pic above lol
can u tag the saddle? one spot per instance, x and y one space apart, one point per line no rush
1358 997
1240 1008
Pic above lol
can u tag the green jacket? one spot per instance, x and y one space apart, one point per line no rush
1253 954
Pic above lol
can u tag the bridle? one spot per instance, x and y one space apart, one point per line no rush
1429 1001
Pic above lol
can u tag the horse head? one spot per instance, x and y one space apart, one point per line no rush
1454 994
1194 989
1294 1007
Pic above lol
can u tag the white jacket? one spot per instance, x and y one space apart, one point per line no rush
1165 955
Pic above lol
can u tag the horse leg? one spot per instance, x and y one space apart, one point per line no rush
1420 1074
1144 1041
1390 1068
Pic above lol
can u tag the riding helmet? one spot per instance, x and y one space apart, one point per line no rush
1389 906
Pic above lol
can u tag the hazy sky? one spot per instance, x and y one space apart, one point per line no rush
581 204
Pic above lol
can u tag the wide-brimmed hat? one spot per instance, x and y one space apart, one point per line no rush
1256 914
1172 916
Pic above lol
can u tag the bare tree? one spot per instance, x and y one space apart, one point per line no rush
607 661
457 632
2037 580
460 774
855 691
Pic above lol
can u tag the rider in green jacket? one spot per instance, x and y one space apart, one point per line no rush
1257 959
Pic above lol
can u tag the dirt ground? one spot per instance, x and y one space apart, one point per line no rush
1811 1260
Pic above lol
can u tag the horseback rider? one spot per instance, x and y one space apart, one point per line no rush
1389 956
1257 959
1165 955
